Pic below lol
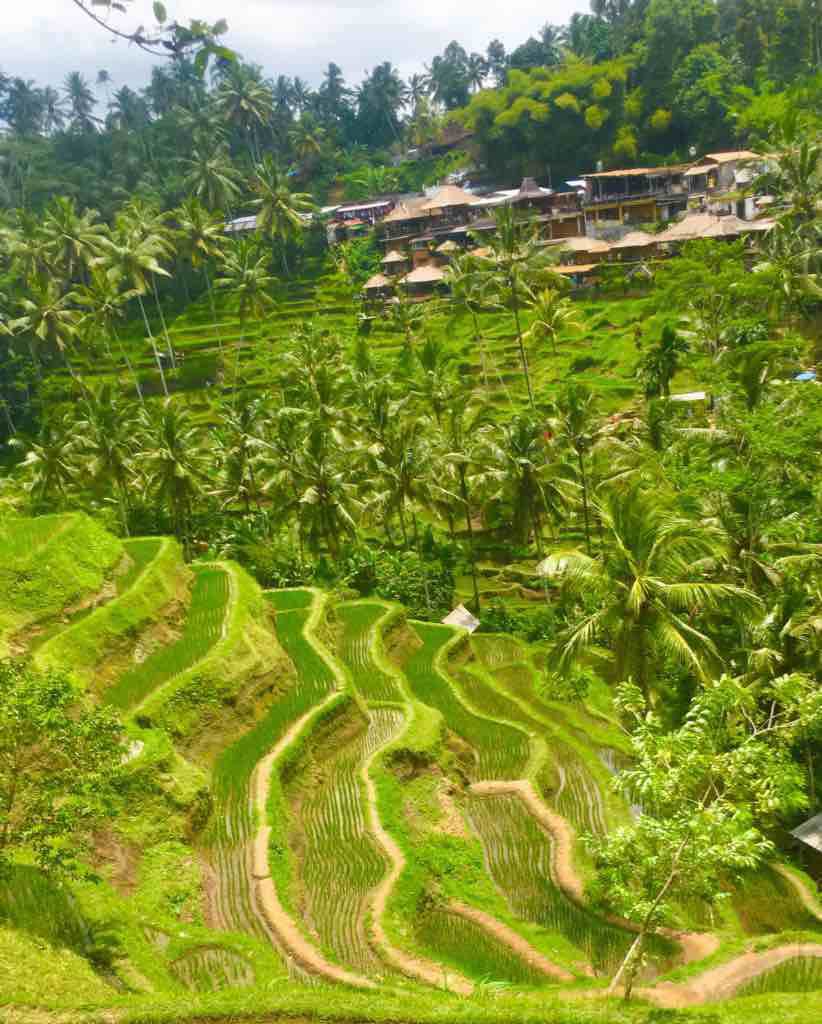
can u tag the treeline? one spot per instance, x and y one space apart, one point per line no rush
647 79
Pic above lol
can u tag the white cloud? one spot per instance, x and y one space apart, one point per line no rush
45 39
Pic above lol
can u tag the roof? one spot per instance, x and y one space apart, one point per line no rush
707 225
690 396
395 257
577 268
424 275
634 240
698 169
585 245
408 209
448 195
446 247
737 154
810 833
352 207
461 617
530 190
242 223
633 172
378 281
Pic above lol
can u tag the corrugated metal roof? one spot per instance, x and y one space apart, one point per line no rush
810 833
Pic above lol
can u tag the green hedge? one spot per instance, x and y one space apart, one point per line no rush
83 646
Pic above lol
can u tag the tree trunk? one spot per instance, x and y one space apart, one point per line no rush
522 354
471 550
213 310
163 322
136 379
157 358
585 502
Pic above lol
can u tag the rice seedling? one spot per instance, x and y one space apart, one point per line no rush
494 651
360 621
32 902
518 855
501 751
203 628
800 974
288 600
212 968
468 948
142 552
766 903
337 860
21 538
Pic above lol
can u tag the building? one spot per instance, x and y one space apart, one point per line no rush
357 219
639 195
716 181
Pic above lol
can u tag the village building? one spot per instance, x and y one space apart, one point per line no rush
639 195
718 179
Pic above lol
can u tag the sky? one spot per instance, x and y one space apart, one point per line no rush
45 39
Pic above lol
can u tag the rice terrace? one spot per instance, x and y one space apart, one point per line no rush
410 513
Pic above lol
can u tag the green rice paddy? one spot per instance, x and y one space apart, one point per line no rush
360 622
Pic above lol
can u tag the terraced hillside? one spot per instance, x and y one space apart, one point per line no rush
322 792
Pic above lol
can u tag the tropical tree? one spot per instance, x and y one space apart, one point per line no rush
81 103
246 103
517 264
174 463
650 580
553 314
211 177
71 240
239 445
660 362
573 426
104 303
245 275
200 235
49 467
328 503
107 429
49 318
282 213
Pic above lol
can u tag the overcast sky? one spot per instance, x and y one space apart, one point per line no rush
45 39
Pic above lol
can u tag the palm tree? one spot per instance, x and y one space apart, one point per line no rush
49 462
419 88
130 258
246 276
573 425
518 263
466 276
436 380
212 177
300 94
105 304
106 431
81 103
552 314
646 585
71 239
660 363
48 318
306 138
477 70
240 442
175 464
245 103
201 235
281 212
328 496
54 115
553 38
533 491
462 441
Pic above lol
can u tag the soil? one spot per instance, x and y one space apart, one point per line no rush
265 892
808 898
120 861
451 822
723 981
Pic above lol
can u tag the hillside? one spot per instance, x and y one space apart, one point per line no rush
320 791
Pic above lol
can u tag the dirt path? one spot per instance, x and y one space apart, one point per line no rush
808 898
562 847
415 967
508 937
695 945
723 981
265 892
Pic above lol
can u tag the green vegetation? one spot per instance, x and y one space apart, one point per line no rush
204 626
801 974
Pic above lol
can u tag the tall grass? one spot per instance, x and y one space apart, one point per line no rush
766 903
203 628
801 974
32 902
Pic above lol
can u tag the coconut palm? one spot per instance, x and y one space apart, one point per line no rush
132 257
573 426
53 110
81 103
660 362
212 177
477 71
245 275
245 103
200 235
239 445
175 464
553 314
419 89
48 318
522 481
282 212
71 239
307 138
106 434
104 303
647 584
517 265
466 276
49 463
328 504
435 380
